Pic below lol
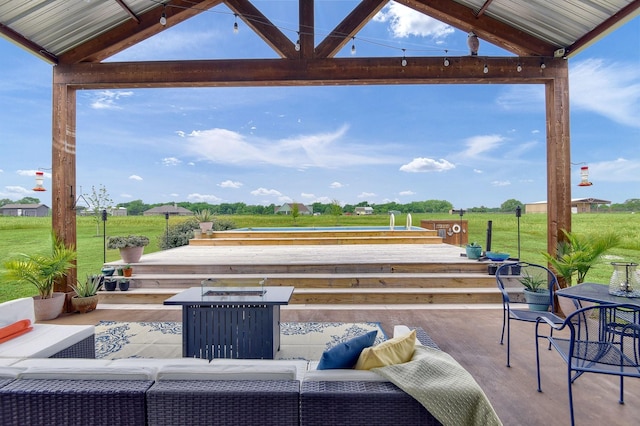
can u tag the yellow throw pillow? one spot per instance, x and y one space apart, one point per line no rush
394 351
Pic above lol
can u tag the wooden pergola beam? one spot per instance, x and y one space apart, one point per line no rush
334 71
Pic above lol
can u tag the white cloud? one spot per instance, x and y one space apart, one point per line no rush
107 99
32 172
230 184
405 193
477 145
367 194
261 192
611 89
204 198
135 177
170 161
422 164
405 22
323 200
307 196
619 170
13 191
322 150
335 185
500 183
1 171
477 171
126 195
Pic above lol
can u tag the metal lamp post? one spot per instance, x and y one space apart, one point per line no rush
166 217
518 214
104 236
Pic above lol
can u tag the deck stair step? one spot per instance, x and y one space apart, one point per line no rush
311 296
317 240
339 280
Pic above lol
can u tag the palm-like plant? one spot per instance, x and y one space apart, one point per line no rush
577 254
40 270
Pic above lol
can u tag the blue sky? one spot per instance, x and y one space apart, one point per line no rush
472 145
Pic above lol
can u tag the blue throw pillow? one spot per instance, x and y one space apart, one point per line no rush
346 354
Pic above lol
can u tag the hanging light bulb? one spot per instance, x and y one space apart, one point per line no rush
163 17
404 59
542 65
235 24
519 68
297 47
486 69
353 46
446 60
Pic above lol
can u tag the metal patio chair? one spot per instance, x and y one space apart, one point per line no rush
602 339
515 310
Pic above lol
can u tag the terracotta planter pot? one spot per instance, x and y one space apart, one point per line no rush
48 309
127 272
84 304
131 254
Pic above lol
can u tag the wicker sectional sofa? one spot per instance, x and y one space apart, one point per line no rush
195 391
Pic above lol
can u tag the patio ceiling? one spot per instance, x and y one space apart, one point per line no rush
73 31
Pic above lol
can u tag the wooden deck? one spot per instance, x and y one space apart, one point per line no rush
471 336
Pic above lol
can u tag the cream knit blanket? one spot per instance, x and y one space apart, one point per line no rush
443 387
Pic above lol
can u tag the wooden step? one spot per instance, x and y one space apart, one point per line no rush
332 296
329 240
301 280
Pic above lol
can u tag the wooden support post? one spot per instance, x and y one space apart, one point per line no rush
63 158
558 159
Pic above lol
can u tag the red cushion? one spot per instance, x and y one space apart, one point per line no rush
14 330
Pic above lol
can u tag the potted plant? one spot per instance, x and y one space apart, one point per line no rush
474 250
205 218
536 294
575 256
123 284
127 270
110 284
86 298
131 247
42 271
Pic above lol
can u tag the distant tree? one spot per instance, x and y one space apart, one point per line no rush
28 200
336 210
99 200
295 211
4 201
135 207
437 206
510 205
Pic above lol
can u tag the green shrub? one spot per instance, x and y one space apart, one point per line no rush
178 234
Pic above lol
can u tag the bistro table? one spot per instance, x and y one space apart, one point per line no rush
596 293
231 322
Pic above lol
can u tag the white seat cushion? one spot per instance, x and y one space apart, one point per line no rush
45 340
16 310
80 369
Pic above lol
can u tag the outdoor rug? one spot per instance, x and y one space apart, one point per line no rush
298 340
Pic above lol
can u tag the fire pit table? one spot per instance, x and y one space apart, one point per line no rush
231 322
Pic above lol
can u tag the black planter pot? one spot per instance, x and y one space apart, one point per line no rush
110 285
123 285
492 269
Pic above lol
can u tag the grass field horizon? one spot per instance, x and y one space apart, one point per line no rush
33 235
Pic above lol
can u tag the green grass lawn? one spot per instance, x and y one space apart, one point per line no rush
31 235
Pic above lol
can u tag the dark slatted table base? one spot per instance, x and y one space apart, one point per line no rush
73 402
243 331
85 348
360 404
228 403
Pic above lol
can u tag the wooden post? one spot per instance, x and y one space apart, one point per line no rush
558 159
63 164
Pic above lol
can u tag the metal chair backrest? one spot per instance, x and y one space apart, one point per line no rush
516 272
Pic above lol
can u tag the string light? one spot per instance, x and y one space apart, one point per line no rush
353 46
404 58
542 65
163 17
486 69
297 47
519 67
446 60
235 24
